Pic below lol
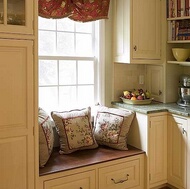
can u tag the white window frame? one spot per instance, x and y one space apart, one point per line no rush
99 62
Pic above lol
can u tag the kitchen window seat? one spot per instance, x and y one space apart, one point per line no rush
98 168
58 163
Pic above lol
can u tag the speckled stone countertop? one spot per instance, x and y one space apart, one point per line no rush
156 107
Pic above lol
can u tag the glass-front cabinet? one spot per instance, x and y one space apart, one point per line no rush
16 16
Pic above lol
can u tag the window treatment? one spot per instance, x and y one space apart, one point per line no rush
77 10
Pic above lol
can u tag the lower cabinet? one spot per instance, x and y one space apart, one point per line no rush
124 173
84 180
157 153
121 176
177 151
149 133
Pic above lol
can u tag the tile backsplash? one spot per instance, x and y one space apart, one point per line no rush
126 77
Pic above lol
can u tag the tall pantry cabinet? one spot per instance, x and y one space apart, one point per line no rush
18 94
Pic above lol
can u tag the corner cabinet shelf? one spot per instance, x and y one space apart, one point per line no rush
185 63
178 23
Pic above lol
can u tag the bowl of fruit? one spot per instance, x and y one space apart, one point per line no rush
138 96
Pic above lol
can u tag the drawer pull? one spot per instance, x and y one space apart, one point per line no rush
81 188
120 181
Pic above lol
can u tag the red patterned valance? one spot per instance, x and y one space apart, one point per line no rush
78 10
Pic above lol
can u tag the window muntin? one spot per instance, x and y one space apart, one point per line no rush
67 64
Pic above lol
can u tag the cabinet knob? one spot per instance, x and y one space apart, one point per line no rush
184 131
135 48
159 92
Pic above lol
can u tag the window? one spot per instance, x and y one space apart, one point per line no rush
68 64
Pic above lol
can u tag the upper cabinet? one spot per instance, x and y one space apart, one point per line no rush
137 31
16 16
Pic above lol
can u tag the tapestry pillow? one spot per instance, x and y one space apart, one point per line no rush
75 130
112 126
46 137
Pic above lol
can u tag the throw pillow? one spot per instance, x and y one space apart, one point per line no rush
46 137
112 126
75 130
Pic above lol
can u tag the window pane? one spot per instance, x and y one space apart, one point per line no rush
65 24
47 24
85 72
47 42
48 72
84 45
67 97
67 72
16 12
65 44
84 27
48 98
86 95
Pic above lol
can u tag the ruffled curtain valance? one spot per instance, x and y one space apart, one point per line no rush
77 10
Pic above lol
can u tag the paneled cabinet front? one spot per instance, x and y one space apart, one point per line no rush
85 180
155 80
149 133
126 175
16 16
122 173
157 151
16 110
177 151
137 31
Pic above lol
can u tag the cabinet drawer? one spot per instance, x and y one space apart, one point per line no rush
84 180
122 176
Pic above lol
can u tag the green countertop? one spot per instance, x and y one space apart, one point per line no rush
156 107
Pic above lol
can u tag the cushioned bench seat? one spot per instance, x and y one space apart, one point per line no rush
58 163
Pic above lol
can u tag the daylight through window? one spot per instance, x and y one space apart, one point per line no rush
67 64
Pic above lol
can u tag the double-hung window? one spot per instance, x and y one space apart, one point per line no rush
68 64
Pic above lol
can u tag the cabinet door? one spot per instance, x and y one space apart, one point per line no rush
155 82
122 30
146 29
157 150
16 16
16 110
177 128
137 31
84 180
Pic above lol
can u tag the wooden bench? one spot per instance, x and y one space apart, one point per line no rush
83 158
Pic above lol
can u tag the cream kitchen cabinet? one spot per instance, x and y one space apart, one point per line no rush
177 151
16 16
137 31
155 80
17 160
149 133
124 175
84 180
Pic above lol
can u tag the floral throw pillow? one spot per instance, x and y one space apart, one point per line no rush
75 130
112 126
46 137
